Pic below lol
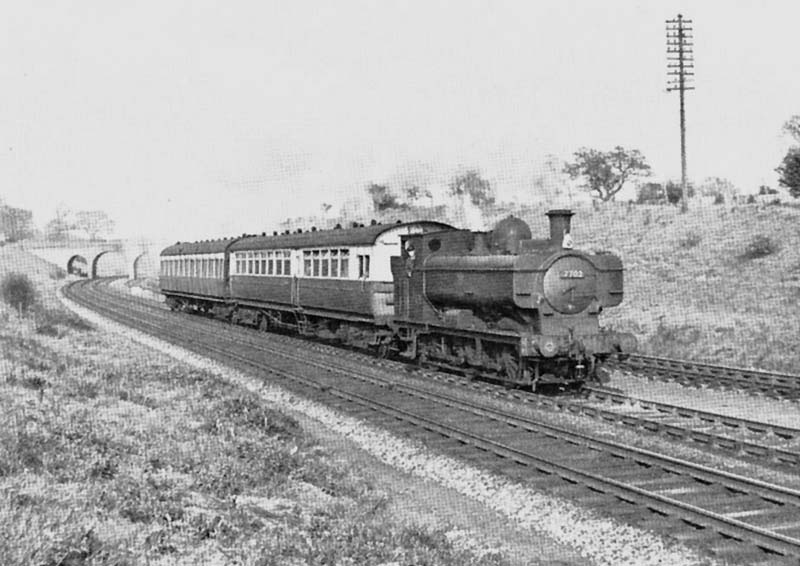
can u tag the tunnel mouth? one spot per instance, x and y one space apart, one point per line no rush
77 265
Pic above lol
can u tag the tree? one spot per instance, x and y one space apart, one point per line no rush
471 183
414 192
667 193
792 127
95 223
651 193
606 172
382 198
674 191
15 223
722 190
789 171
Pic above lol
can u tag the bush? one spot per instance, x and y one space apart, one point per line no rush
58 273
691 240
47 319
18 291
760 246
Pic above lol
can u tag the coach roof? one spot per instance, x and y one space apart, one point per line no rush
363 236
203 247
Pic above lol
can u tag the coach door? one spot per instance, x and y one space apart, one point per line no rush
295 288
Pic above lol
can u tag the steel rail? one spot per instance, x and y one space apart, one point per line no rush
779 384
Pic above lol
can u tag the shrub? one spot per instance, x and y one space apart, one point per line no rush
18 291
691 240
760 246
48 319
57 273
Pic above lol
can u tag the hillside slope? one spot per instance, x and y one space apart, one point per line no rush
693 288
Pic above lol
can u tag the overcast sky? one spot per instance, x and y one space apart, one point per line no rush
231 116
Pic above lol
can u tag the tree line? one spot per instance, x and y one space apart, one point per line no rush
17 224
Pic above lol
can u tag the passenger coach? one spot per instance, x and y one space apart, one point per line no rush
325 282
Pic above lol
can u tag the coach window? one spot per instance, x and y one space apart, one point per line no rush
344 263
315 256
263 263
278 264
307 263
334 263
325 263
363 266
258 264
287 263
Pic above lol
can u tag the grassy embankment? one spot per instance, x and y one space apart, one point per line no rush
112 454
713 284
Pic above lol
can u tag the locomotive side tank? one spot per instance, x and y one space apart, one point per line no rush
527 307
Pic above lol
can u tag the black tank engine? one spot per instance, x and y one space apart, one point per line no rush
526 308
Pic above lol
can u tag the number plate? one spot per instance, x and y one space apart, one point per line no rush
572 274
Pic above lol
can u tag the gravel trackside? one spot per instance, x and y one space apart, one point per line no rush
602 541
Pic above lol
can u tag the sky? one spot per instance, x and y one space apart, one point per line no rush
200 119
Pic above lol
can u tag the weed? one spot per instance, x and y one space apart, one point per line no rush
759 246
233 467
58 273
47 319
690 240
668 340
250 412
144 500
358 536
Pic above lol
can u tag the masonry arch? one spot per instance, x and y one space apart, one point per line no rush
112 265
144 265
77 265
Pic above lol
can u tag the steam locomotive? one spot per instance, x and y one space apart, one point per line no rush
499 304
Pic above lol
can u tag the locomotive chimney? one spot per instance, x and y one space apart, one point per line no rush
559 224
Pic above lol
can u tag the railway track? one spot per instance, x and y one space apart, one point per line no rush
738 517
696 374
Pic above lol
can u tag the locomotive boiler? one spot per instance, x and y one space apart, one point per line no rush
525 309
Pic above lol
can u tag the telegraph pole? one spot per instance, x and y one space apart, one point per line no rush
680 73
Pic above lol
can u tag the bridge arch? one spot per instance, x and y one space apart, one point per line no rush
77 265
144 265
119 269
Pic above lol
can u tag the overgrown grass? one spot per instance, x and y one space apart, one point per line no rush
759 246
690 240
111 455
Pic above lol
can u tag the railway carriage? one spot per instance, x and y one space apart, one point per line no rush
326 283
193 274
